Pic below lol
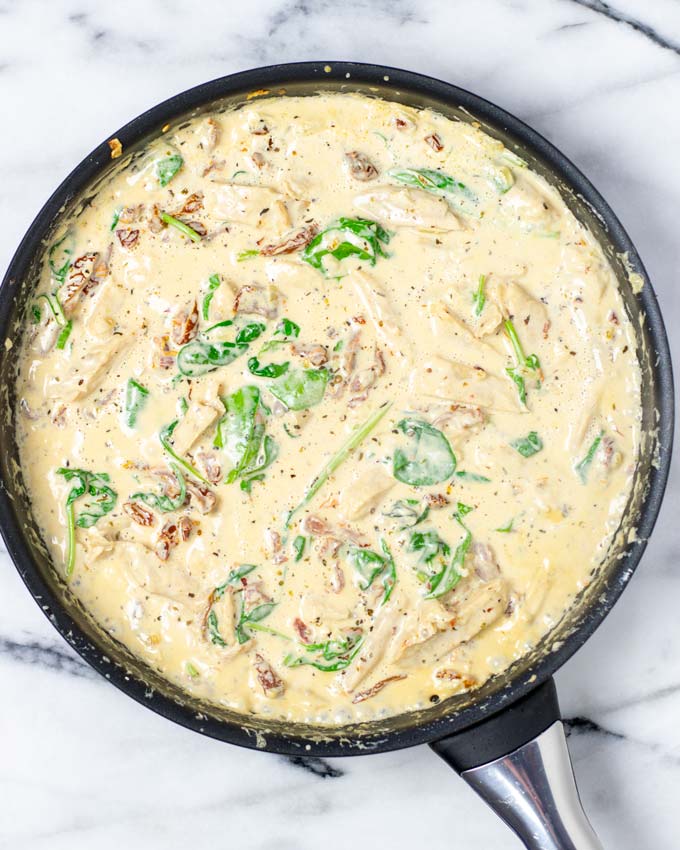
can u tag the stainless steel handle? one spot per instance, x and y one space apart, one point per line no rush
534 791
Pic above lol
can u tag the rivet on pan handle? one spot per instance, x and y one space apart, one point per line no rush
518 762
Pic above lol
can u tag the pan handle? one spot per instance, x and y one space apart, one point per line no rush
518 763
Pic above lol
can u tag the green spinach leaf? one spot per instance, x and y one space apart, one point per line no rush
242 437
330 656
200 356
479 298
428 458
408 510
135 398
448 577
247 622
59 257
438 183
525 365
101 501
271 370
347 237
287 328
300 389
583 466
529 445
299 547
167 168
214 282
162 502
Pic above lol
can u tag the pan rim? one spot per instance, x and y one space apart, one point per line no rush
342 743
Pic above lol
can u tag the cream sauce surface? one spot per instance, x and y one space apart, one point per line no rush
365 393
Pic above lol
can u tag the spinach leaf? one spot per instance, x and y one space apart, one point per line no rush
102 501
330 656
203 355
428 459
181 226
507 528
214 281
55 308
237 431
167 168
430 546
437 183
472 477
525 364
367 563
249 333
299 547
59 257
287 328
135 399
479 297
233 580
518 381
247 255
200 356
389 578
347 237
243 438
286 428
529 445
271 370
448 578
162 502
247 622
300 389
462 509
408 510
235 576
214 630
64 334
583 466
371 565
267 454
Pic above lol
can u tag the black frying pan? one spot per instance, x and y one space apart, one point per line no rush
505 738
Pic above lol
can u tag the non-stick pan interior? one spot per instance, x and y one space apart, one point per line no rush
134 676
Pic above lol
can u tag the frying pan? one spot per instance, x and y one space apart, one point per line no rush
505 738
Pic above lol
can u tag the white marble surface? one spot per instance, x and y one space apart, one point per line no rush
81 765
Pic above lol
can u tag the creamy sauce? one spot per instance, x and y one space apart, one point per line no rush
443 317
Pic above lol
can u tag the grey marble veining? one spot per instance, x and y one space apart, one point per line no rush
80 764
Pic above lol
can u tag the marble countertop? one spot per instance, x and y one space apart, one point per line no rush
83 766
